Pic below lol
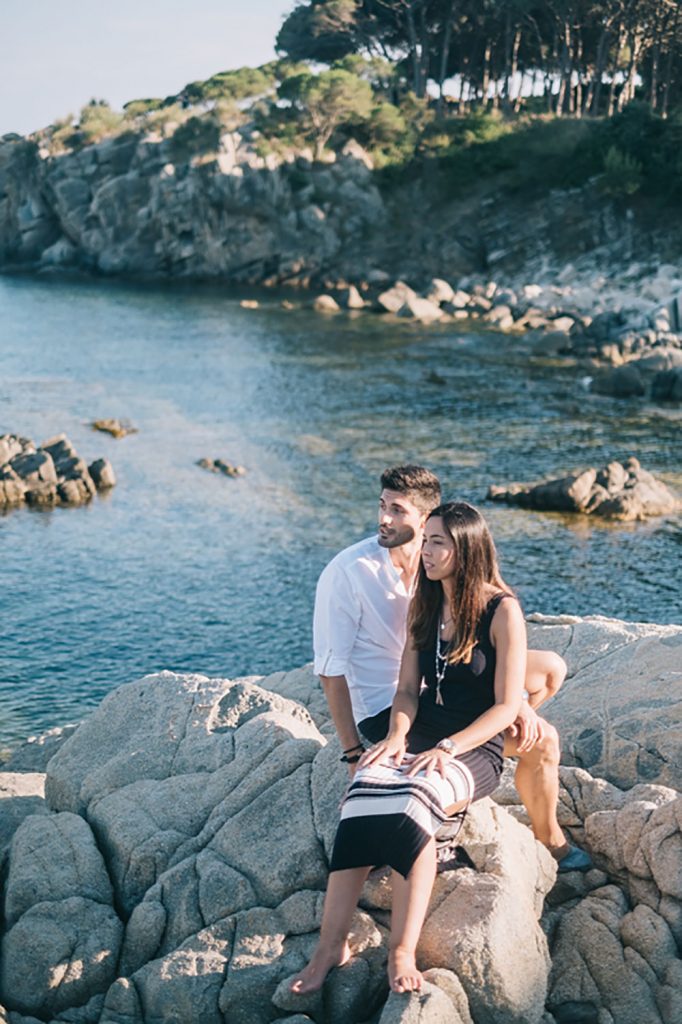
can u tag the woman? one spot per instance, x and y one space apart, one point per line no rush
466 640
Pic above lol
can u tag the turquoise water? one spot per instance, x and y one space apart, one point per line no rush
184 570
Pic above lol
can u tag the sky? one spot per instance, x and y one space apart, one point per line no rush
58 54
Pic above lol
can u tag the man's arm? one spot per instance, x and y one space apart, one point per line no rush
335 627
338 698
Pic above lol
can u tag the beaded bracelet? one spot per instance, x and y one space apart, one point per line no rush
351 760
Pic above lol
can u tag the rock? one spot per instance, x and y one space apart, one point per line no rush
33 755
102 473
326 304
62 935
220 466
34 468
21 795
117 428
439 291
623 382
350 298
502 967
420 309
616 491
667 386
608 958
430 1005
459 301
562 323
633 734
395 298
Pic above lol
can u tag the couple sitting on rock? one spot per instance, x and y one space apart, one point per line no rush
421 650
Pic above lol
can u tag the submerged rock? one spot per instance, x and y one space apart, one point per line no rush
616 491
117 428
220 466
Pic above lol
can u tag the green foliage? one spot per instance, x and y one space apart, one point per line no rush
326 101
320 31
198 135
138 108
97 121
622 173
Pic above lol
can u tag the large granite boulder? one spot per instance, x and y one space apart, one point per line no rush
619 713
616 491
615 932
181 869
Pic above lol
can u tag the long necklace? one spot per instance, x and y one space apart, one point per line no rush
441 664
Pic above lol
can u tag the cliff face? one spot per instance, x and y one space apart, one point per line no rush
124 207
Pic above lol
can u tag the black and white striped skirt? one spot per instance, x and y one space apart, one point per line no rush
388 817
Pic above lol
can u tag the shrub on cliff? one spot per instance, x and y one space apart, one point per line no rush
97 121
622 174
198 135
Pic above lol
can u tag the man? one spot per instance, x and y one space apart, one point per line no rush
359 629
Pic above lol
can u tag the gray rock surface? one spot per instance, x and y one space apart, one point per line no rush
52 474
621 491
21 794
155 877
633 732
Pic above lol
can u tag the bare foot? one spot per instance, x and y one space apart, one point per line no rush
312 977
403 975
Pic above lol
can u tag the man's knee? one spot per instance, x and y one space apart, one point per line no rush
556 669
547 750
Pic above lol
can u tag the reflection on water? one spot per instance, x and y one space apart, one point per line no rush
182 569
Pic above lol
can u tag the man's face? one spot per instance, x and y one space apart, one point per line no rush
400 521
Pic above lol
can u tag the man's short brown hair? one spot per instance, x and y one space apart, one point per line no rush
417 483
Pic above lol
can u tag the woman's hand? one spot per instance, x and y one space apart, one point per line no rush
430 760
392 747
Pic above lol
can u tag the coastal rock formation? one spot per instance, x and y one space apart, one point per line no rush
177 864
51 474
179 858
190 826
618 713
616 491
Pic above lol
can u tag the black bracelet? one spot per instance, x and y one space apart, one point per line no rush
358 746
351 760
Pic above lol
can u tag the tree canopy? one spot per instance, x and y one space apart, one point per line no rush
580 56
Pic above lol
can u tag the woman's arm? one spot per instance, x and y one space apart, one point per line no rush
508 634
403 711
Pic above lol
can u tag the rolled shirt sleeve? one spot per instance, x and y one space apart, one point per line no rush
335 622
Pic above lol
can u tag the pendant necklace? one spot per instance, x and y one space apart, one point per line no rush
441 663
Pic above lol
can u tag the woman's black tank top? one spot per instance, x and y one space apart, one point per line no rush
467 691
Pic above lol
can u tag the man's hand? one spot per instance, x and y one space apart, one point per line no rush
393 747
527 729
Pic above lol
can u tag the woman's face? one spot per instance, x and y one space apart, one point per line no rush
438 550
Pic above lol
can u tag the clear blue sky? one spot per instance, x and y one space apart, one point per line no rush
58 54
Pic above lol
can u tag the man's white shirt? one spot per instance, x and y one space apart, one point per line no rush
359 625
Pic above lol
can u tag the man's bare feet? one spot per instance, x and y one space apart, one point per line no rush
312 977
403 975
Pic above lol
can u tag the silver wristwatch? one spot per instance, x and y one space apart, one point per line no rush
449 746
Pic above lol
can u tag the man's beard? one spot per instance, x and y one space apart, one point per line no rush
396 538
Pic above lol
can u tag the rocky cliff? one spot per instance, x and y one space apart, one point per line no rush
127 206
169 861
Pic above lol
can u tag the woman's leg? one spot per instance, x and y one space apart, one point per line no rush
410 902
343 893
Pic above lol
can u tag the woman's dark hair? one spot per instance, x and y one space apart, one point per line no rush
475 566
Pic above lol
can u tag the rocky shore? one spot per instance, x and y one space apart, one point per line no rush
530 268
166 859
